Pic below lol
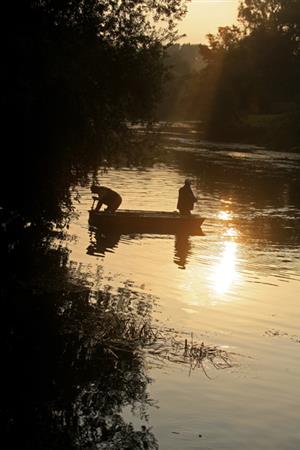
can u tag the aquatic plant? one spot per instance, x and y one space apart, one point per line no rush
193 354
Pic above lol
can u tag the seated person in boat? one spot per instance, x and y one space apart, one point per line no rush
106 197
186 198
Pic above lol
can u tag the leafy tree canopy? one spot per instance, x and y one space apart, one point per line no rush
253 67
73 72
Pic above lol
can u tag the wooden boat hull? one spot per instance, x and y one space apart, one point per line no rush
160 222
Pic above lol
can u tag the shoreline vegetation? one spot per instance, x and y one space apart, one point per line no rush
73 72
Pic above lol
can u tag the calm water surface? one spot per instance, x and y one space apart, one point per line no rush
236 287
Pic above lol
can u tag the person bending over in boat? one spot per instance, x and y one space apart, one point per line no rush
106 197
186 198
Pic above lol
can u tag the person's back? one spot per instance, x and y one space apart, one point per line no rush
107 197
186 198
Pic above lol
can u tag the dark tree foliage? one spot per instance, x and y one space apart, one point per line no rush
72 72
253 69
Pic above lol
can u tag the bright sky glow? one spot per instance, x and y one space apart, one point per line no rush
205 16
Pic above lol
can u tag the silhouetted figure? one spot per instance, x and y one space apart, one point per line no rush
106 197
186 198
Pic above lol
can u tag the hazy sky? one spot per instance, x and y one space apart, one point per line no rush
205 16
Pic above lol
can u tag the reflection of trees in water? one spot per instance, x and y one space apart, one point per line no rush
71 360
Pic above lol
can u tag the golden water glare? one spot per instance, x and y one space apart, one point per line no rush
231 232
224 215
225 271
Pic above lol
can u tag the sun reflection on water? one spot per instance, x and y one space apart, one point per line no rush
231 232
225 272
221 276
224 215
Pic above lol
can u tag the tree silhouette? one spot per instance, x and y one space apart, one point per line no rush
73 72
253 69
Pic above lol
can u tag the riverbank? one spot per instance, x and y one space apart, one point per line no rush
275 131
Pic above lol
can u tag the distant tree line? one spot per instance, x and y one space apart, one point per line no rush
72 72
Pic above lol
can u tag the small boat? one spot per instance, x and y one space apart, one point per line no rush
158 222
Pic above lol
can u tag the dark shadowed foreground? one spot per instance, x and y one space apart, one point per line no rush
71 360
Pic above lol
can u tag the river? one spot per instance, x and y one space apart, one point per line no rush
236 287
